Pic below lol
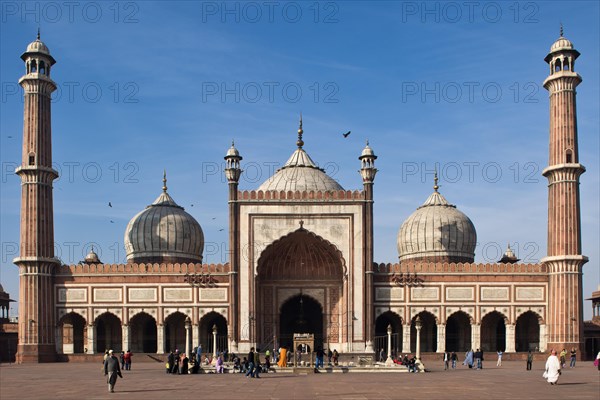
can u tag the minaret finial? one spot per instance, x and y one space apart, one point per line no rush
367 142
232 143
38 35
165 181
435 181
561 30
300 142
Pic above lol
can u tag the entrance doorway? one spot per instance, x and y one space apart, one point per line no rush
300 314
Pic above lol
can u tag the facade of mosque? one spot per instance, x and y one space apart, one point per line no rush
301 260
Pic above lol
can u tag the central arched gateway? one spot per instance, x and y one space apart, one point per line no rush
300 289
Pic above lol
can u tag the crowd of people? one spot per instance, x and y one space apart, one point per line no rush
252 365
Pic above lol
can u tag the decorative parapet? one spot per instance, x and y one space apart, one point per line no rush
133 268
449 268
334 195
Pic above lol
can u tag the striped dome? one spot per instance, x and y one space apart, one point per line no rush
437 232
164 232
300 173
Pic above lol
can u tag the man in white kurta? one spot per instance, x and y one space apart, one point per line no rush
553 368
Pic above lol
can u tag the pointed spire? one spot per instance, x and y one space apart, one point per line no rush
561 30
300 142
164 181
367 142
435 181
38 35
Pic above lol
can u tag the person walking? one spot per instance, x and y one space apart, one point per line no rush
499 362
127 358
250 372
199 353
122 359
257 365
454 358
446 360
573 357
563 358
553 366
112 370
320 356
469 358
336 357
479 359
529 360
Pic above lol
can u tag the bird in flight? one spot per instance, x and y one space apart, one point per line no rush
109 204
10 137
221 230
346 134
112 222
214 217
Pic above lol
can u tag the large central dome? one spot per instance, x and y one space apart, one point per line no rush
437 232
300 173
164 232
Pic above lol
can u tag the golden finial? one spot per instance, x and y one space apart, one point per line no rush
300 142
38 35
435 181
165 181
561 30
367 142
232 143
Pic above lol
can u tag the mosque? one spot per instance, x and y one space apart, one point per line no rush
301 260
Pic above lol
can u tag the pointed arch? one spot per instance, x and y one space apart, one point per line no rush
143 336
388 318
175 331
108 332
458 331
493 331
428 332
527 331
301 255
73 329
207 322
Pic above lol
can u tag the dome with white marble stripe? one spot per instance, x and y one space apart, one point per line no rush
164 232
437 231
300 173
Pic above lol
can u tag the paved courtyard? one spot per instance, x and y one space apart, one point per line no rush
149 381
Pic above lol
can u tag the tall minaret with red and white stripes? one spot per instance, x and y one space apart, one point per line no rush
36 259
564 259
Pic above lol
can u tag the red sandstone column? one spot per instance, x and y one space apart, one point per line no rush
564 259
36 260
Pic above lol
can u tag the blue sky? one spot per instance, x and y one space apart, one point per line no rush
147 86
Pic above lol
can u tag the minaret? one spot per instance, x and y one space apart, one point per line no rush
233 173
368 172
36 258
564 259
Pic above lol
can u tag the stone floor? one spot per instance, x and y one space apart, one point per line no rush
149 381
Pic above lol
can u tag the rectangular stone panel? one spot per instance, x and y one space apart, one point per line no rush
425 293
530 293
213 294
389 293
142 294
494 293
108 295
177 294
71 295
460 293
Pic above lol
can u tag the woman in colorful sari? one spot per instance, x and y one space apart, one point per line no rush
282 357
